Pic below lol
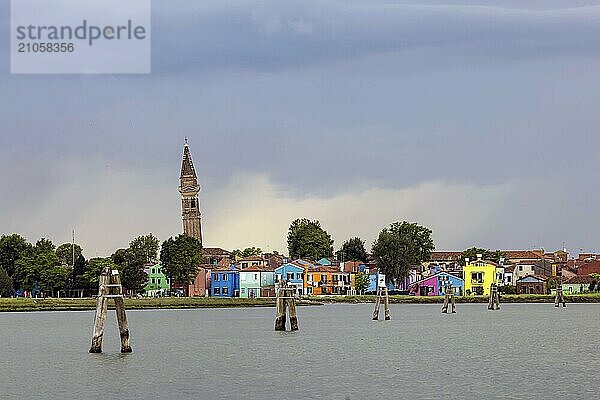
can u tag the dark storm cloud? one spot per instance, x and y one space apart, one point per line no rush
324 99
296 34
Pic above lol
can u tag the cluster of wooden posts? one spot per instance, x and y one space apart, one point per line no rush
285 301
110 287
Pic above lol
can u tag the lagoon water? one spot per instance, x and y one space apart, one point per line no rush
523 351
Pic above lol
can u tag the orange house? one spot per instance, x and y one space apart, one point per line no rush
320 280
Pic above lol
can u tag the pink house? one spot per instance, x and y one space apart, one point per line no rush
435 285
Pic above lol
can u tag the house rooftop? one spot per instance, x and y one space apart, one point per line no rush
226 269
258 268
324 268
445 255
522 254
251 258
214 251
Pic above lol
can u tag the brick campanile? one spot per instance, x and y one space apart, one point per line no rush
189 188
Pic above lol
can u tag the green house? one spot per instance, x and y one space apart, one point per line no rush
158 284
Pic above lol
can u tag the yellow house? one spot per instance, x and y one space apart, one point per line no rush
479 276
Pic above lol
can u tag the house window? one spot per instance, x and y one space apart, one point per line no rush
225 277
290 276
217 290
244 265
254 263
216 279
193 203
477 277
243 290
520 268
153 280
225 290
298 275
255 276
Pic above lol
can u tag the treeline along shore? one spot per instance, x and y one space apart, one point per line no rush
67 304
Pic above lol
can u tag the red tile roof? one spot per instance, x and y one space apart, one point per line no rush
251 258
522 254
445 255
214 251
579 279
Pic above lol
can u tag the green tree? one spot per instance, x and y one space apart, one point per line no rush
401 246
472 253
78 281
361 282
180 258
53 279
42 268
352 249
12 248
247 252
144 248
131 268
65 253
6 285
306 239
131 261
93 268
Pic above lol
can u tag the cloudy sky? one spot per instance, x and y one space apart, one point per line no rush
478 119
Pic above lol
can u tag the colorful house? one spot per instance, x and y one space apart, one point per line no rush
327 280
532 284
479 275
435 285
293 274
225 282
252 261
257 281
158 284
577 284
374 277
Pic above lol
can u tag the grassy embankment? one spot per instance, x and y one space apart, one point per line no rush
54 304
507 298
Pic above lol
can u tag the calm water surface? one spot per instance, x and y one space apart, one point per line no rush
523 351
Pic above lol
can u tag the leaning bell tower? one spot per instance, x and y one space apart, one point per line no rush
189 188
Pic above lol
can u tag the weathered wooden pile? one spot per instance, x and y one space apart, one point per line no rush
110 288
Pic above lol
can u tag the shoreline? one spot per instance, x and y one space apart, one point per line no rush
68 304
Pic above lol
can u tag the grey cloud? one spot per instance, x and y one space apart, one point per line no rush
271 36
394 97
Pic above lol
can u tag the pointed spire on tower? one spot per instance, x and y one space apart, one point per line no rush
187 166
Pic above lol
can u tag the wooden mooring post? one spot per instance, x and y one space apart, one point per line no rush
449 299
494 303
382 296
285 300
110 287
560 297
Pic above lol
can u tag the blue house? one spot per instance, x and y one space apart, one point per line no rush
225 282
293 274
374 276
